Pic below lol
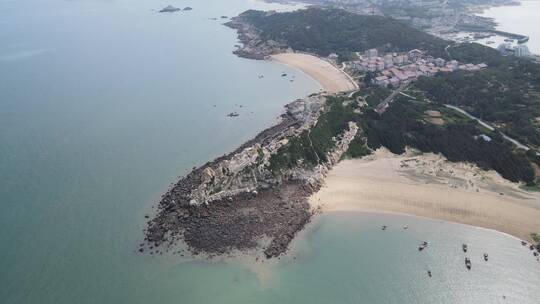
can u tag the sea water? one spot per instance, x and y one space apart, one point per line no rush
520 19
104 103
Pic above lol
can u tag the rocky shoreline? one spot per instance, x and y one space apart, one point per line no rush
235 201
253 47
238 201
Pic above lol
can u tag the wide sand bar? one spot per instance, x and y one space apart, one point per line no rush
430 186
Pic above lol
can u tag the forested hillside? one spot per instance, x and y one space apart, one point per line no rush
325 31
506 94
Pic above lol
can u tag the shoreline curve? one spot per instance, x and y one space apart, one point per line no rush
431 187
332 79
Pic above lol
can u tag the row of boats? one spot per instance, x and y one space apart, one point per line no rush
465 248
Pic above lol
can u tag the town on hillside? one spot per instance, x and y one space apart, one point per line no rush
395 69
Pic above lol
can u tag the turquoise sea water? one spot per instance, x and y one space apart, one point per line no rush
104 103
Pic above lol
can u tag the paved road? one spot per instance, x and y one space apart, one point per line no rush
489 127
384 104
407 95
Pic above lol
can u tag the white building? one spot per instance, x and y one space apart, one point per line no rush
371 53
521 50
440 62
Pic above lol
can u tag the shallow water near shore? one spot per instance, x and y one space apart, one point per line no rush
104 103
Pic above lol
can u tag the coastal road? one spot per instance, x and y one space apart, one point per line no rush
489 127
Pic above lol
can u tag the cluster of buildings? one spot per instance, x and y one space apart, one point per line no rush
520 50
397 68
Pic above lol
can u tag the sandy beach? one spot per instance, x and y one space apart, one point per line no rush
332 79
430 186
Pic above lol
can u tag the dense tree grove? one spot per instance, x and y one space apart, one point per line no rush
402 125
325 31
475 53
507 94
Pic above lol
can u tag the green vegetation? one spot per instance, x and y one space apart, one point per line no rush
476 53
403 125
536 238
506 94
326 31
374 95
311 147
358 147
531 188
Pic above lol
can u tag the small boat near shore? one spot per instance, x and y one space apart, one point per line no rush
422 246
486 257
468 263
233 114
429 273
464 247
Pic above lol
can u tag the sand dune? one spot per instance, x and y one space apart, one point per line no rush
332 79
430 186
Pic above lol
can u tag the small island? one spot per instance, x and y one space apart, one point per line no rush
169 9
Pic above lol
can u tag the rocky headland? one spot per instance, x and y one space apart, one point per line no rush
238 202
253 47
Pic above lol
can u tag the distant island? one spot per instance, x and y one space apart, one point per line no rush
401 108
172 9
169 9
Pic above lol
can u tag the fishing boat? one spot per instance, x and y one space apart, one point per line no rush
422 246
464 247
485 257
383 227
468 263
429 273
